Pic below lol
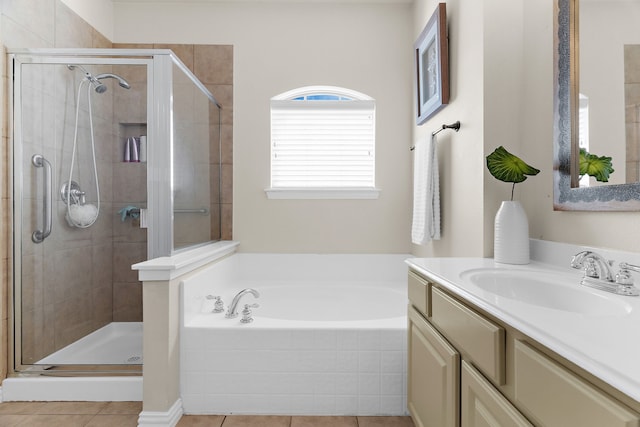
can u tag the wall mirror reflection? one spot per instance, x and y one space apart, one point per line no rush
597 105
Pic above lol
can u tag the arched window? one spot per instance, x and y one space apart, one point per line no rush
322 144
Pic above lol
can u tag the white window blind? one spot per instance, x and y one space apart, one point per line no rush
326 144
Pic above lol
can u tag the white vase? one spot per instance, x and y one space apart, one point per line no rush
511 234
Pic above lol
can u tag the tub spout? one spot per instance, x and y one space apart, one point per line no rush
232 311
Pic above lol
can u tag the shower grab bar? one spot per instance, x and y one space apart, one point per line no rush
39 161
203 211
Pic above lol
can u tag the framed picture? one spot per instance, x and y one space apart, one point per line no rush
432 66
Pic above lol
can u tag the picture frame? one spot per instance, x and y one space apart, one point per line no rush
432 66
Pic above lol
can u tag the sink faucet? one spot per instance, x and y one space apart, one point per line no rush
232 311
603 267
598 274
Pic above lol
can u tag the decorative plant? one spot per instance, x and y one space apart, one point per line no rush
509 168
598 167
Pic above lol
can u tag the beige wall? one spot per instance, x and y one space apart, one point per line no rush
280 46
459 154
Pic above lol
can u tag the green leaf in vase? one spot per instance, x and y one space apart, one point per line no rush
507 167
599 167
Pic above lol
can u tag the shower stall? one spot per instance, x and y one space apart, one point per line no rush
115 160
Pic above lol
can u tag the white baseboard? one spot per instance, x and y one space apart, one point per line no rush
161 419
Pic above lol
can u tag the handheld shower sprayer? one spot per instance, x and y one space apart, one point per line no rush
96 80
122 82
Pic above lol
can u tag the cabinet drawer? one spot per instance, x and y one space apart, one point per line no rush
419 293
573 402
483 405
480 339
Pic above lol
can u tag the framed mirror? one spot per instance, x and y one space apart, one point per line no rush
596 104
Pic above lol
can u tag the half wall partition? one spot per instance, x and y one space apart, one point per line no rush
114 162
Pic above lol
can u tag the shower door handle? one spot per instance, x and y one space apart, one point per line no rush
39 161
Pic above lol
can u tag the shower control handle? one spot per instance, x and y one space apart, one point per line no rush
39 161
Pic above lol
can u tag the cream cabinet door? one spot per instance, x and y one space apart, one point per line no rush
434 376
483 405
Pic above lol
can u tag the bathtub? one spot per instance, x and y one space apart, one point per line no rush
329 336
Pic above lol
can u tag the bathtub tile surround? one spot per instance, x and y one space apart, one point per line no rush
284 364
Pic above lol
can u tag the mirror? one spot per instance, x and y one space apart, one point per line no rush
595 87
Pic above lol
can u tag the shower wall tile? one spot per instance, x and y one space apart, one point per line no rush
100 41
227 221
70 29
34 15
213 64
124 255
129 183
131 105
19 32
73 319
227 184
103 312
127 298
102 261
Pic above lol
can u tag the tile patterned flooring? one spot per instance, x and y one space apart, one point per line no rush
125 414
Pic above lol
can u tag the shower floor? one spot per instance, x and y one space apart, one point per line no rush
118 343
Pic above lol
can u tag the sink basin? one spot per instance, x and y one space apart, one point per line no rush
546 290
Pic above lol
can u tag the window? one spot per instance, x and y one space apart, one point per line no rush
322 144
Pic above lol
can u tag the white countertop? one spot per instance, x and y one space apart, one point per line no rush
607 346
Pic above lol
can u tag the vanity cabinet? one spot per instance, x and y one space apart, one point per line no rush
468 369
483 405
433 386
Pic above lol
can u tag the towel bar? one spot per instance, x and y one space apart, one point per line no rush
455 126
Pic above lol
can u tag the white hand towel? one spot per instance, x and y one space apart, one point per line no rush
426 193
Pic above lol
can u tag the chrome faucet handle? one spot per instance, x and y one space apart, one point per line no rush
246 313
218 306
624 276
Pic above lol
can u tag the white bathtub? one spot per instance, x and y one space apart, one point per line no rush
329 337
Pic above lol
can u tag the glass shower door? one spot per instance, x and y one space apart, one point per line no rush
75 295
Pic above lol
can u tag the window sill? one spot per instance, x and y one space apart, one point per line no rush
322 193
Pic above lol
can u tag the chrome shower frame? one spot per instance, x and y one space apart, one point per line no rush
160 209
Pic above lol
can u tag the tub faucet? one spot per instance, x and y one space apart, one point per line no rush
232 311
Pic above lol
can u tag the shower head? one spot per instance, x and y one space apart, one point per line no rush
122 82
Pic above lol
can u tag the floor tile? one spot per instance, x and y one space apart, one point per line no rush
385 422
88 408
113 421
12 420
201 421
48 420
256 421
303 421
121 408
20 407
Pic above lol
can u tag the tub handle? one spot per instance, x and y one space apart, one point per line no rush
218 306
246 313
